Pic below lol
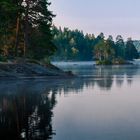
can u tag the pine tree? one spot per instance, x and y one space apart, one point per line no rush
8 12
25 28
37 28
130 51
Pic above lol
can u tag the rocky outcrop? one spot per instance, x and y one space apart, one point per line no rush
30 70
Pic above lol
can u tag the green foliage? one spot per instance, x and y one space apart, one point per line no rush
41 37
25 29
8 12
104 49
99 50
109 52
73 44
120 47
130 50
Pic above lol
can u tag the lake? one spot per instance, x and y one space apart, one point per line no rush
101 103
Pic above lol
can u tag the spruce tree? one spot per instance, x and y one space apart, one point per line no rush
25 28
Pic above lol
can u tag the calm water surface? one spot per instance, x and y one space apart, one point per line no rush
102 103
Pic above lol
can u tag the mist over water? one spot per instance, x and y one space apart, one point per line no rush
102 103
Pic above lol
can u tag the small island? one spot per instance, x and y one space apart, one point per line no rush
108 52
74 45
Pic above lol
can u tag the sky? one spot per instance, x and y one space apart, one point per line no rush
112 17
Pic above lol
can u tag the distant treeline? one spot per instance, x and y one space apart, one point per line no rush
75 45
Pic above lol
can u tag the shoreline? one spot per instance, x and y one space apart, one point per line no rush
13 71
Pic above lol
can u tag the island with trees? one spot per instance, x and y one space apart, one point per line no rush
74 45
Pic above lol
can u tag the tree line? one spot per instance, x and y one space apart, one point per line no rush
72 44
75 45
25 29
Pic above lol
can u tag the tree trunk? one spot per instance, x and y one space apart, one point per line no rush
26 28
17 37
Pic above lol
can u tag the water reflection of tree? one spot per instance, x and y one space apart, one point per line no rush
107 74
26 107
104 78
119 80
26 114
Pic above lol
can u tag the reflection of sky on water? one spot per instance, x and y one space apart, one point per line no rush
106 108
102 103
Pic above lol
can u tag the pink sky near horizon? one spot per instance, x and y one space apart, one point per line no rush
111 17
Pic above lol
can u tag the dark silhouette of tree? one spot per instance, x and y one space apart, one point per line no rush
25 29
130 51
120 47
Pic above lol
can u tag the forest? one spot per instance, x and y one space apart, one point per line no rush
74 45
27 31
